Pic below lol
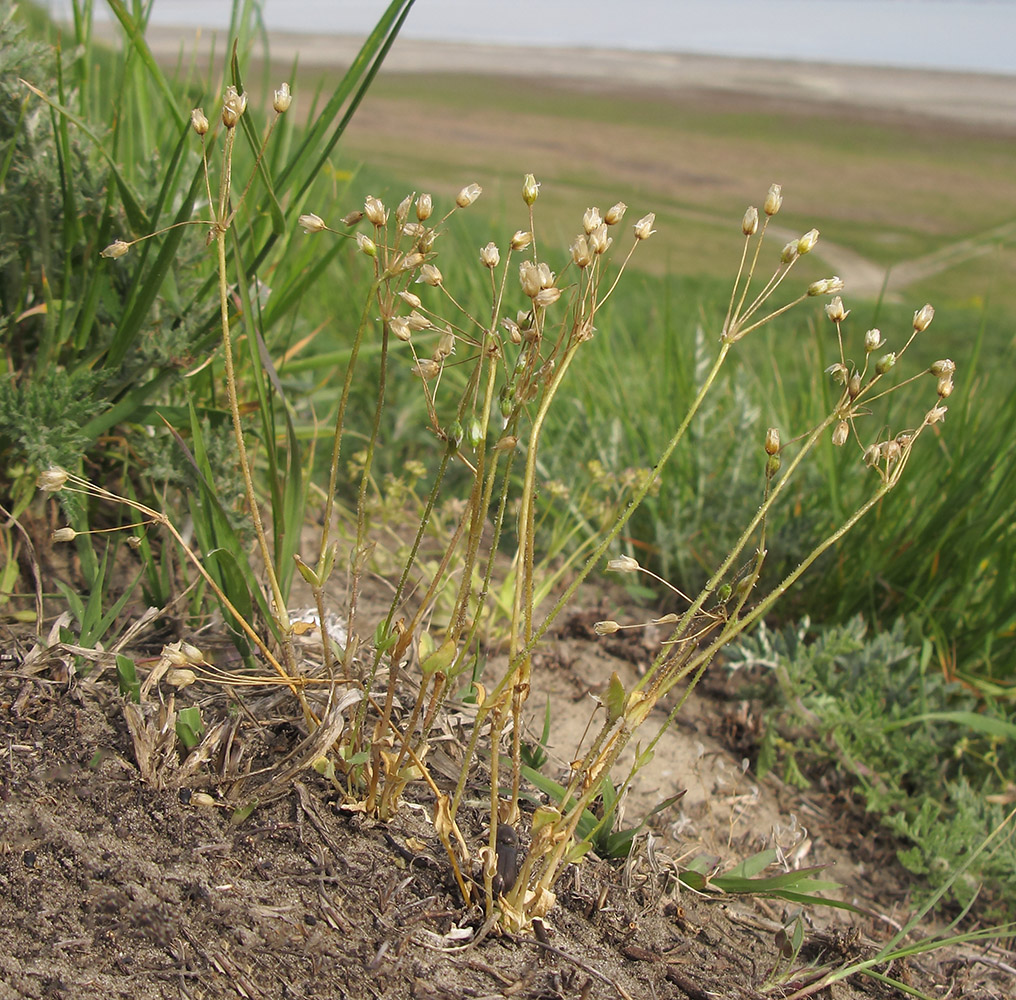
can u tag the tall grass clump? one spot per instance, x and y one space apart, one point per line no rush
94 354
466 567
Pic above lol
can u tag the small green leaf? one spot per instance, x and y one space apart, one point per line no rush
615 698
306 572
694 880
241 813
127 678
383 641
189 727
441 659
577 851
750 867
325 768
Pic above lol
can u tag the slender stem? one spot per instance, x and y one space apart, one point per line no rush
281 614
734 314
765 319
254 169
161 519
361 501
347 384
637 497
714 581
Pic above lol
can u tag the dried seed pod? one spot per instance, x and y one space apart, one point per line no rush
774 199
312 223
591 219
835 311
923 317
807 241
234 104
490 256
530 189
468 195
199 122
615 213
282 100
375 211
644 227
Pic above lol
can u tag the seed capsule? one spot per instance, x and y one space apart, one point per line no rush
283 99
530 190
774 199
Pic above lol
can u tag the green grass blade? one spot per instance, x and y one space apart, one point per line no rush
131 407
750 867
74 602
136 36
989 725
127 678
104 622
90 633
354 84
234 574
150 279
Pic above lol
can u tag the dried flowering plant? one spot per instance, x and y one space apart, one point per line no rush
727 603
486 411
487 381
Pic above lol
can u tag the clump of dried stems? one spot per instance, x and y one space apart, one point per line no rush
488 382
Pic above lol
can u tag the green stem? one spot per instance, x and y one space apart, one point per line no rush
637 497
714 581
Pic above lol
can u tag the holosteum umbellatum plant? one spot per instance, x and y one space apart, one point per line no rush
234 105
487 383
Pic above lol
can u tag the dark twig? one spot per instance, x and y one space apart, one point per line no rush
585 967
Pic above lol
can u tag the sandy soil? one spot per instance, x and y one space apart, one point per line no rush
124 874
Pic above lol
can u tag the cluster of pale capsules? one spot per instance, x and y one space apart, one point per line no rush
884 455
538 282
234 104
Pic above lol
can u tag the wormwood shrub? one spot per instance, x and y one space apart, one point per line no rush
924 755
372 702
43 403
85 348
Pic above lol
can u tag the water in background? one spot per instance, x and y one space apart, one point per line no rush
972 35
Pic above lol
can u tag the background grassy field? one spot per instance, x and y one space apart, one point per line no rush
888 188
920 203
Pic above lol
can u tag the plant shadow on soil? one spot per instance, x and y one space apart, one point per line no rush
113 887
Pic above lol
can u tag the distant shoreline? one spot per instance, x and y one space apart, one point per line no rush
975 99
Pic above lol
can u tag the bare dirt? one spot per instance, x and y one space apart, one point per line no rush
120 877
